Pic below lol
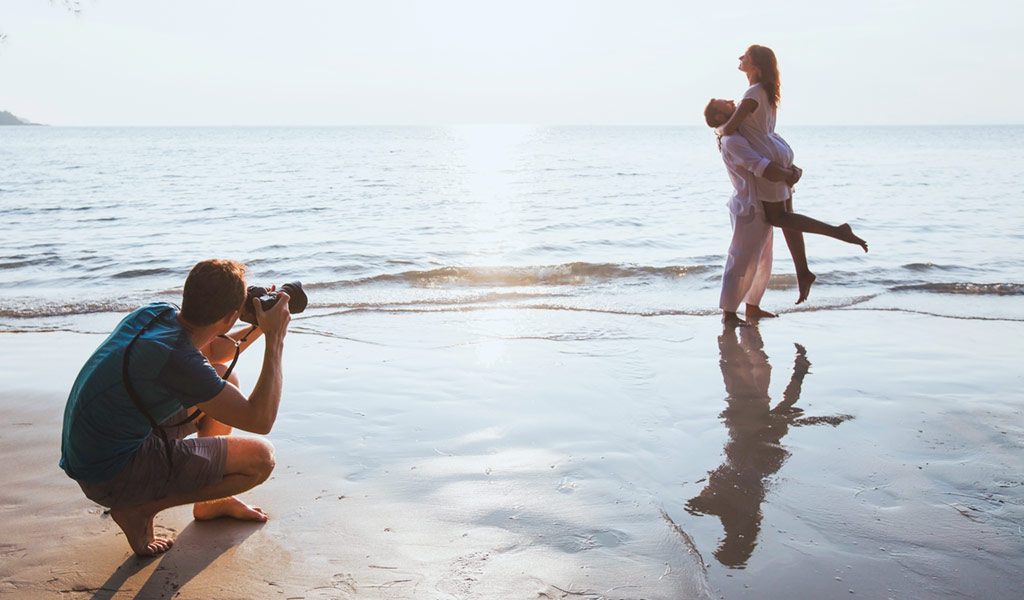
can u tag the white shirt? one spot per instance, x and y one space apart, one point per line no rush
744 165
759 129
761 122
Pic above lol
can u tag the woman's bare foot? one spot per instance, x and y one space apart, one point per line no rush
846 234
804 282
755 313
137 526
228 507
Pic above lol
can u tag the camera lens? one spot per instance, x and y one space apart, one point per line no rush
298 299
296 304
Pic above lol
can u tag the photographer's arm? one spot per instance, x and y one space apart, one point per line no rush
258 412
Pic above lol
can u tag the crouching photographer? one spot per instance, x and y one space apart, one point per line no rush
164 374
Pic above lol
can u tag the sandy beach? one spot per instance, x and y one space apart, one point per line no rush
555 454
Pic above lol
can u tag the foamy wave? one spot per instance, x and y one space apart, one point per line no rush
836 304
488 298
929 313
969 288
52 309
575 273
305 323
570 286
400 309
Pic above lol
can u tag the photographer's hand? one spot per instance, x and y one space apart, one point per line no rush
274 322
258 412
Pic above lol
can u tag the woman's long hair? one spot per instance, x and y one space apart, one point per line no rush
764 60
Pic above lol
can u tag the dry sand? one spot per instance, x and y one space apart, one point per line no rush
535 454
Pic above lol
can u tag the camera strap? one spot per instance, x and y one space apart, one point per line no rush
238 350
159 429
138 402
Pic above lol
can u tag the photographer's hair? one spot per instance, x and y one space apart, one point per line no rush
214 289
768 67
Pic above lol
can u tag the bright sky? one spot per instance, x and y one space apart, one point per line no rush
335 62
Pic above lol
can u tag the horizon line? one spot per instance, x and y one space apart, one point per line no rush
497 124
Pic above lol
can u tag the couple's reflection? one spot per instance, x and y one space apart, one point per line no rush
735 490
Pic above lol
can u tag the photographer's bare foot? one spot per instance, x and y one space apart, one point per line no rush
137 526
755 313
804 281
228 507
846 234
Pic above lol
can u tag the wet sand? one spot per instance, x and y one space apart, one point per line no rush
554 454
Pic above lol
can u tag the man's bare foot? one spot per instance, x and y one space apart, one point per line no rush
755 313
731 319
804 281
846 234
228 507
137 526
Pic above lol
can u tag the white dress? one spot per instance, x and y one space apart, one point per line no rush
759 129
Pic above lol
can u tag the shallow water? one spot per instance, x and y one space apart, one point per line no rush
523 454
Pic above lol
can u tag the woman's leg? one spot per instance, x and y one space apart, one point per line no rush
775 213
795 241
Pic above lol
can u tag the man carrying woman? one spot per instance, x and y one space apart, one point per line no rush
768 193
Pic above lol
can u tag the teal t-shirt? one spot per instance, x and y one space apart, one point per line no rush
102 426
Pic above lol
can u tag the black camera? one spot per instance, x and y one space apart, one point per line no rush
297 300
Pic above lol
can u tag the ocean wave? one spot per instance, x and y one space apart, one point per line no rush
492 297
668 312
488 302
575 273
73 208
911 311
923 267
22 261
575 286
836 304
133 273
55 309
968 288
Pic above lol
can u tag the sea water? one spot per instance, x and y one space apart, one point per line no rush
530 367
619 219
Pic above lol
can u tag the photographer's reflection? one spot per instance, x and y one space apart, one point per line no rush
735 490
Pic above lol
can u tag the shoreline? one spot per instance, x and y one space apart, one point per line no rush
503 455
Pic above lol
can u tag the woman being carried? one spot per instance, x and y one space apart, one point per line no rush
754 119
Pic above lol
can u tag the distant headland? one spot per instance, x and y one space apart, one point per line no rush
7 118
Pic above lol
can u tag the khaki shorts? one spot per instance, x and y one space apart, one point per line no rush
198 463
